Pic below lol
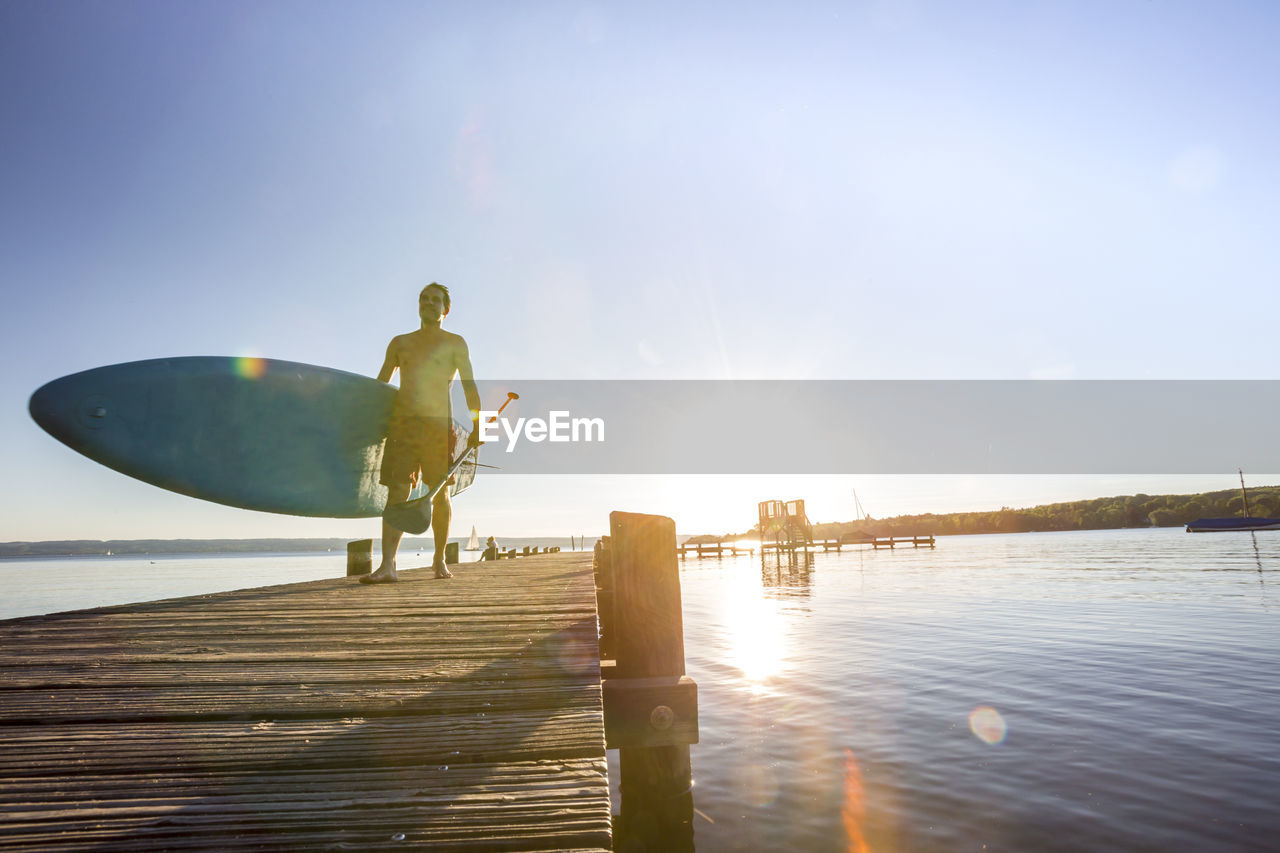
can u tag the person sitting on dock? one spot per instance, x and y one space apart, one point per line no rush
420 436
490 549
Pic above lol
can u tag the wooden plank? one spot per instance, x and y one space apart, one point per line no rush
231 702
508 806
647 712
459 715
224 746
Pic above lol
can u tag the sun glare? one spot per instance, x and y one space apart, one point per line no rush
755 631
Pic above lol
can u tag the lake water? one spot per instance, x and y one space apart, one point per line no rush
1112 690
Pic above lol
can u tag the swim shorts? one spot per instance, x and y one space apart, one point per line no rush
417 449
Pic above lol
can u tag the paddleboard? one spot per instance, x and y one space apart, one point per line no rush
261 434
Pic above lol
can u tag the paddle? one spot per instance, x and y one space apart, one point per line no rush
415 516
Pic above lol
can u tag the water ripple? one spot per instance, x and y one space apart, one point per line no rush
1130 672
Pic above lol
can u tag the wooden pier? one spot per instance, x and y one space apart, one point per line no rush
813 545
454 714
712 549
717 549
893 541
876 542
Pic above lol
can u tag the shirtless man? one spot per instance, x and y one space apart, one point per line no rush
419 439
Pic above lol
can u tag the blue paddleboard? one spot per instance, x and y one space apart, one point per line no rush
276 436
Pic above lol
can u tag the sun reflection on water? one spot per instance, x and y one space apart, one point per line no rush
754 629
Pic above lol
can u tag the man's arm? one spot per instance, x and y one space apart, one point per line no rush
469 389
390 363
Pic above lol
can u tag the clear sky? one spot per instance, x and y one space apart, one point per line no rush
661 190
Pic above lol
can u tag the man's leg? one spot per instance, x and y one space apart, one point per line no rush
441 514
386 572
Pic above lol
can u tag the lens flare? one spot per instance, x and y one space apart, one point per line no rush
987 725
853 810
760 785
248 367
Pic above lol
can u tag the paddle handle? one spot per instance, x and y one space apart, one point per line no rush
453 469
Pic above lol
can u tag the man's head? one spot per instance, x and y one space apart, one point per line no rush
433 302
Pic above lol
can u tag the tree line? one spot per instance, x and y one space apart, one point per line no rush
1096 514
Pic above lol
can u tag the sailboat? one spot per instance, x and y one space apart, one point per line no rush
860 515
473 544
1248 522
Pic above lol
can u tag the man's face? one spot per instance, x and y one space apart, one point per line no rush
431 305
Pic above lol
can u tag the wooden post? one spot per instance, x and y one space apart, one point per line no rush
603 570
650 705
359 557
451 552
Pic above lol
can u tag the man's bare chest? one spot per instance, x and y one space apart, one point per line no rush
425 351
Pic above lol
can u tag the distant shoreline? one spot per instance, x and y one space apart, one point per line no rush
1109 513
141 547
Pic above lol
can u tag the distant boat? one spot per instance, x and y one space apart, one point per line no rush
473 544
1215 525
1247 522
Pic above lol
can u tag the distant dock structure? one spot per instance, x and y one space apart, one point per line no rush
786 524
876 542
784 528
713 549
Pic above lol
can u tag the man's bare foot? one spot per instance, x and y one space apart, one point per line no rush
443 572
384 574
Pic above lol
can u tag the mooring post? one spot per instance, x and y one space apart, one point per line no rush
359 557
651 706
603 569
